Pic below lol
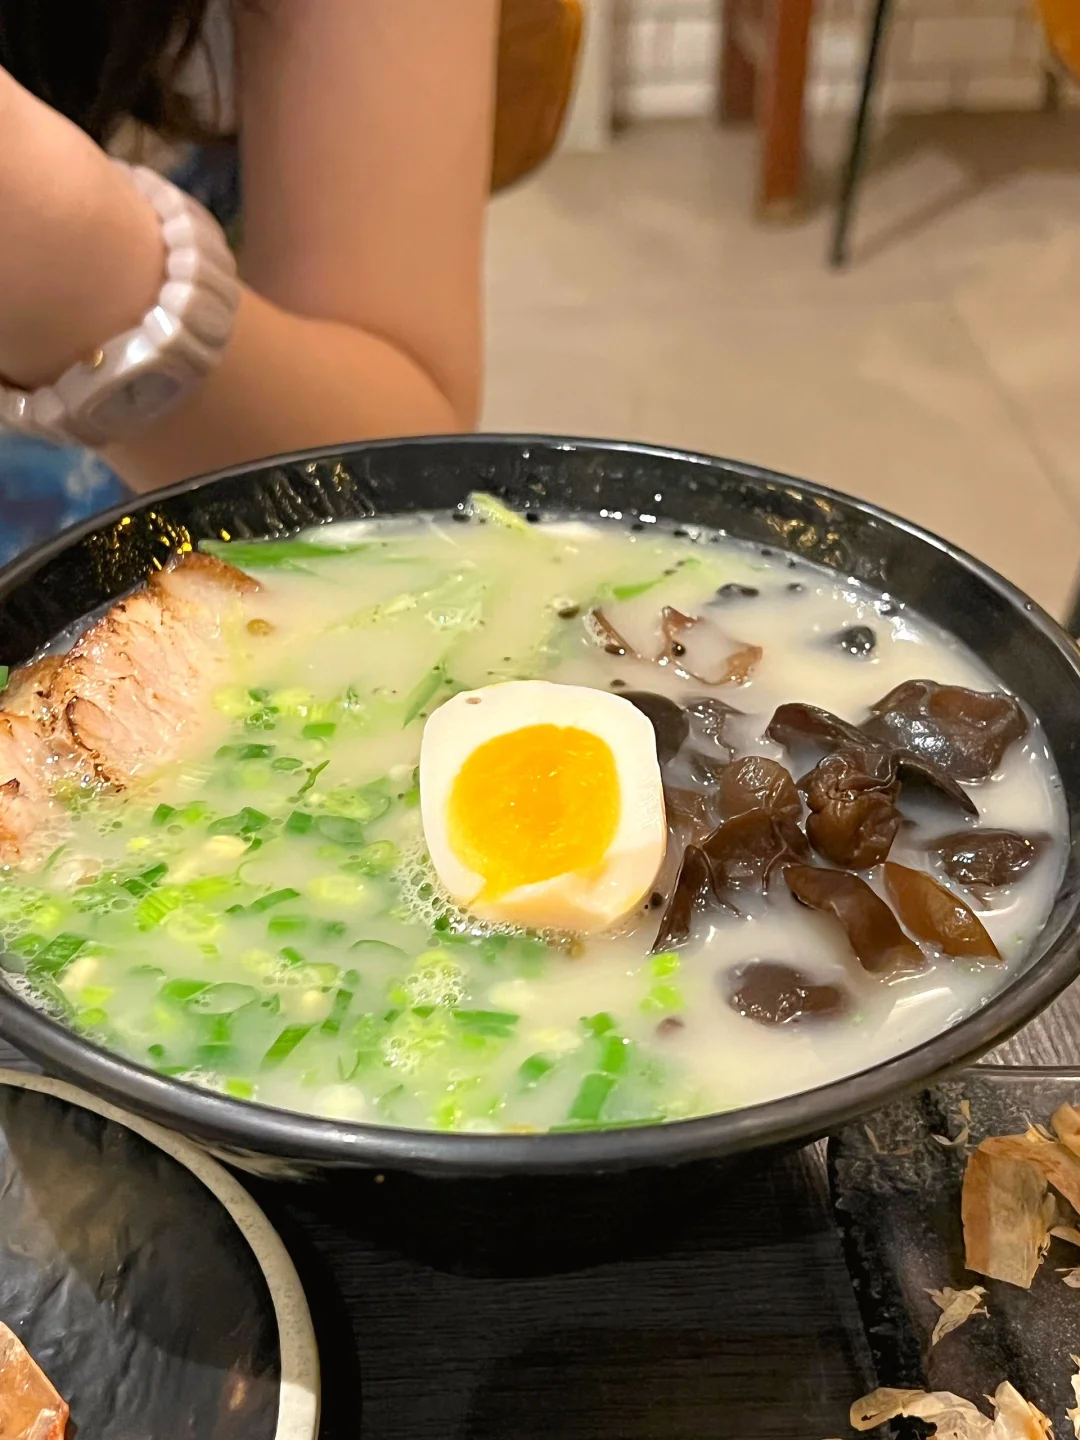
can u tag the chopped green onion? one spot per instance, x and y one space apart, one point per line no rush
284 1045
666 963
5 676
662 998
286 924
193 813
422 693
224 998
281 554
244 752
378 858
630 592
286 762
179 992
155 906
139 885
313 774
162 815
59 953
319 730
340 1008
598 1024
411 797
487 507
292 956
377 950
244 822
614 1052
533 1070
276 897
340 830
240 1089
498 1023
299 823
591 1097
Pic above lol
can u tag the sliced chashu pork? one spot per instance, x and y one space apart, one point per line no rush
118 703
135 681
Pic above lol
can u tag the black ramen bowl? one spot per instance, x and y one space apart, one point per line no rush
49 589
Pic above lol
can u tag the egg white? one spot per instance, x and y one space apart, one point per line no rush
569 901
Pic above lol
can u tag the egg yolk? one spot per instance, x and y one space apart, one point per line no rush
534 803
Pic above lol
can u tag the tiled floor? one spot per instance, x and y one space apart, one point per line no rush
631 295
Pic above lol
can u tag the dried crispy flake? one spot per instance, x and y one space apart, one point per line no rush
956 1306
1057 1163
1016 1418
30 1409
963 1135
954 1418
1074 1413
1069 1233
1066 1123
1071 1278
1005 1215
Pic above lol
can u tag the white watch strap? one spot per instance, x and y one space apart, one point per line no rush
138 376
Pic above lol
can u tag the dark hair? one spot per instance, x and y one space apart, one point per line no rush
99 61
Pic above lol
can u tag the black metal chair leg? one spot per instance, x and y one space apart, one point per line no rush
1072 623
838 252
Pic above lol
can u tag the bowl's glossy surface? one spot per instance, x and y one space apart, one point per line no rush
49 589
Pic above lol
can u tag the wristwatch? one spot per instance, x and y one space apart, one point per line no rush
140 375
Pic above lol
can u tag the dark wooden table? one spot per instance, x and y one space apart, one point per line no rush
726 1315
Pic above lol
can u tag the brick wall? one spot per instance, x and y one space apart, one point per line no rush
941 55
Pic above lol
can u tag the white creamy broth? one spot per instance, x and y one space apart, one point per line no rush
357 990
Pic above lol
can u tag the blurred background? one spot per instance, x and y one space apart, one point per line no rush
665 277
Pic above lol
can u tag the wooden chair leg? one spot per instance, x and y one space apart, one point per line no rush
782 81
737 87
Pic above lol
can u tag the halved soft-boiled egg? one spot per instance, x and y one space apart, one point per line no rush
542 804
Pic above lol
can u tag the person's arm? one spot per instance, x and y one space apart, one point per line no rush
366 130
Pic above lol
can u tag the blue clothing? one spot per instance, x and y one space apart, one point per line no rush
45 487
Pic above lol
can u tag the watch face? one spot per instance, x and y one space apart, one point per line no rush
134 403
